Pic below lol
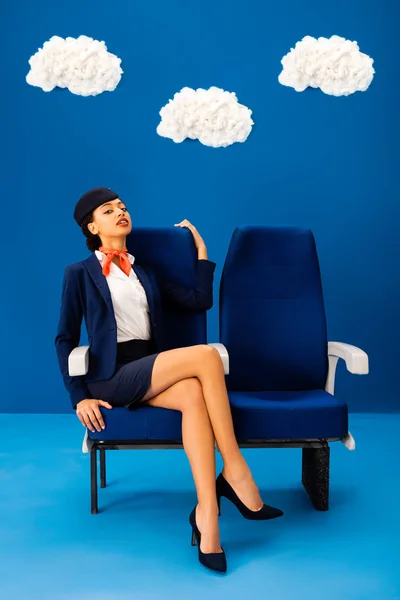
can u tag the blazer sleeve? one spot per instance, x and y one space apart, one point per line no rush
69 334
194 299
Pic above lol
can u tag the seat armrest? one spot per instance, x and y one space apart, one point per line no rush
223 352
356 362
78 361
356 359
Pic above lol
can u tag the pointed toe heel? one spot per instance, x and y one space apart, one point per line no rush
265 513
214 561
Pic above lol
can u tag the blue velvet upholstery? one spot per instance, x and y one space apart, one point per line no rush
306 414
171 255
272 321
272 316
146 423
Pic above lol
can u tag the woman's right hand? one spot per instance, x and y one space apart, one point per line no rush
89 414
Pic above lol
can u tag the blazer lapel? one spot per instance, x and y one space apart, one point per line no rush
93 266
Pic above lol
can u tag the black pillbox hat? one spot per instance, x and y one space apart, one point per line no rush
92 200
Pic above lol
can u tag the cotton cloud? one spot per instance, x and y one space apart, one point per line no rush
213 116
334 65
81 65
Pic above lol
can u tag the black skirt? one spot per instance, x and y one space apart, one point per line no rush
132 378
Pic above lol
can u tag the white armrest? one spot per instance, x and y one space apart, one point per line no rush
356 359
78 364
78 361
356 362
223 352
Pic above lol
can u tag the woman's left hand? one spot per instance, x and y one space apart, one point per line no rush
198 240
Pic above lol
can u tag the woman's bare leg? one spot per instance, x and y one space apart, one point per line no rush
205 363
198 440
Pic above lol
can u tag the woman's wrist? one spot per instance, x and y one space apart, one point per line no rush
202 253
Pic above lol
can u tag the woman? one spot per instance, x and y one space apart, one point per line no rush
127 368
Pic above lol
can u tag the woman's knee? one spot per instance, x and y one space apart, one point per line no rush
208 354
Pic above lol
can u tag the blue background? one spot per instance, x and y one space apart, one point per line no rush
313 160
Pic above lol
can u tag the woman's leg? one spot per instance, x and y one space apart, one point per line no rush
198 440
205 363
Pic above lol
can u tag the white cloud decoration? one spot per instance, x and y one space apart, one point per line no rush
334 65
213 116
81 64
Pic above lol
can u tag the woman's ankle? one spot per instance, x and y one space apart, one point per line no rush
207 508
236 472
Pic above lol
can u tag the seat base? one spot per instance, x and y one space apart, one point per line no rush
315 464
315 475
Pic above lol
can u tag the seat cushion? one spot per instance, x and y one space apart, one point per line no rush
256 415
288 415
144 423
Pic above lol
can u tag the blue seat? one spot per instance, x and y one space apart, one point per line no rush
171 254
282 368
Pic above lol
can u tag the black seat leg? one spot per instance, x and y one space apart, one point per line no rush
315 475
93 480
102 468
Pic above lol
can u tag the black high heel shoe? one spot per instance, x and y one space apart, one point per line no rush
226 490
214 561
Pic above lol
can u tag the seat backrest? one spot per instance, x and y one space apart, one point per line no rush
171 254
272 315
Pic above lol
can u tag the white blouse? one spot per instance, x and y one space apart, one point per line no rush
130 304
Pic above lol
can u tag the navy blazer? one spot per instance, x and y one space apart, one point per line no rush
86 295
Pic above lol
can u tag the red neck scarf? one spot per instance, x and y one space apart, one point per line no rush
124 261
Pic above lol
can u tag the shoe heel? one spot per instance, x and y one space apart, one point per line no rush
214 561
219 505
194 541
223 488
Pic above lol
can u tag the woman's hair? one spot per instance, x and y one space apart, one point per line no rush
93 242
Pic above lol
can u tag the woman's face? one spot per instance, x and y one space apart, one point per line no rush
111 220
